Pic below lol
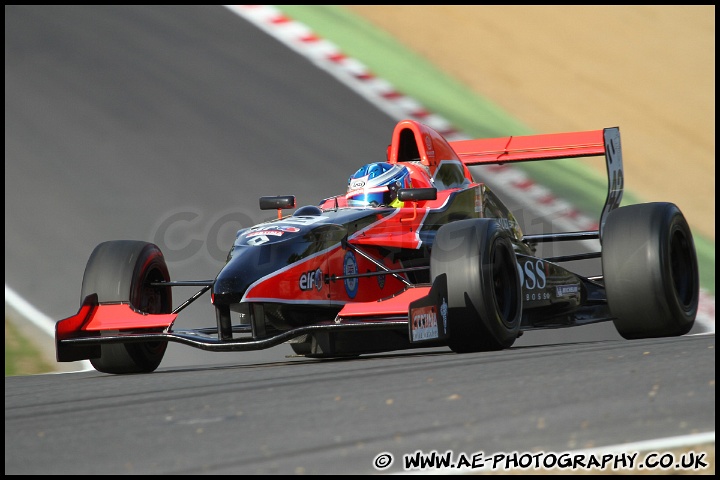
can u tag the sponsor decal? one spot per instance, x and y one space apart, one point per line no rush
279 228
380 279
506 224
276 233
443 314
259 235
563 290
532 274
424 323
533 277
311 279
357 184
350 267
429 146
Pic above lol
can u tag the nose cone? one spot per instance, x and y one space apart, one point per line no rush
247 265
237 275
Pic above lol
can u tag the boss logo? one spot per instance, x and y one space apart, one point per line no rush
311 279
532 274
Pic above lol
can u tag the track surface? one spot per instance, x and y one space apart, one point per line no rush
162 124
334 417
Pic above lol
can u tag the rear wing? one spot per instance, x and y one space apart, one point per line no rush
527 148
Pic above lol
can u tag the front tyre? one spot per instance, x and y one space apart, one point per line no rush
484 292
650 269
121 271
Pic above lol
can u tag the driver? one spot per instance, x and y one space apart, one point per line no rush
377 184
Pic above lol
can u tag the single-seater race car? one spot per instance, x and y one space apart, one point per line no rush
416 253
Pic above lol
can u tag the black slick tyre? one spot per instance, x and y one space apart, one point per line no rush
483 283
650 270
121 271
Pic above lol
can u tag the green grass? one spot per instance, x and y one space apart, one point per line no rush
21 356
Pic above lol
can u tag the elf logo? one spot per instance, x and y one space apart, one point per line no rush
311 279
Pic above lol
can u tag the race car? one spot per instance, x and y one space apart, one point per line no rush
415 253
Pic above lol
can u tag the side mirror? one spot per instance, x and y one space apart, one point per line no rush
277 202
417 194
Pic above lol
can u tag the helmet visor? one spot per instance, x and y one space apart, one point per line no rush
373 197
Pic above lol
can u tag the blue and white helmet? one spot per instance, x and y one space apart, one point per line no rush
376 184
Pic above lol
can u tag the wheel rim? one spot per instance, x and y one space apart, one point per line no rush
152 299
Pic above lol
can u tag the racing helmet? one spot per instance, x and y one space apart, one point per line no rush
377 184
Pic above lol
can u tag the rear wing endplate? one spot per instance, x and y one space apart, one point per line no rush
527 148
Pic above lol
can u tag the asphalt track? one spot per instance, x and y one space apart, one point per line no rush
166 125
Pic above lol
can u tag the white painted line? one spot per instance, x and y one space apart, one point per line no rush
658 444
37 318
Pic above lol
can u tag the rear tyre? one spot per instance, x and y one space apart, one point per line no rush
483 283
650 269
121 271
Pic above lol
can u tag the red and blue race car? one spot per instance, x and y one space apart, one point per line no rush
416 253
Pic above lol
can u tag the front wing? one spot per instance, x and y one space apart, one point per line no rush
80 336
